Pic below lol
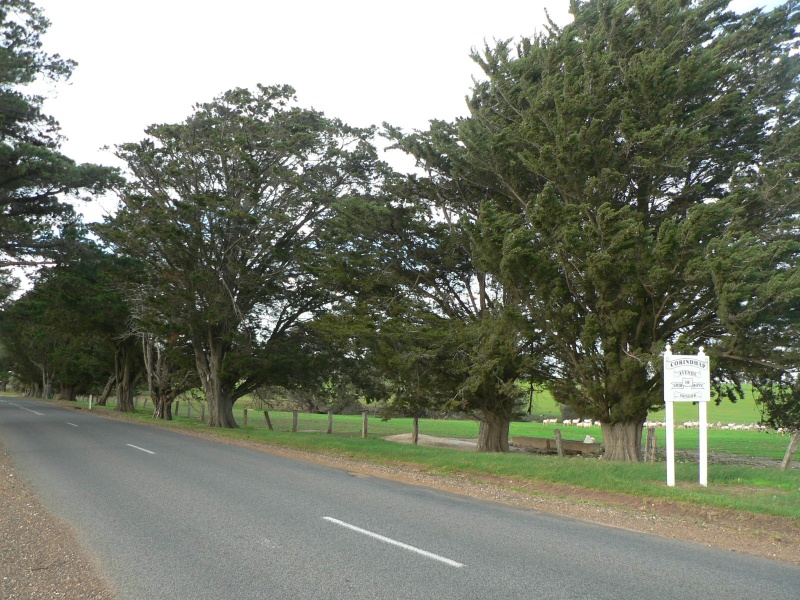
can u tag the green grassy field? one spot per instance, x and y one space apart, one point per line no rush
743 412
747 488
745 443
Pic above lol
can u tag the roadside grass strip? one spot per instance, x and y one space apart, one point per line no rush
387 540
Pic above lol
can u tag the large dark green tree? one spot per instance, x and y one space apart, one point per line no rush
616 145
30 348
757 274
35 178
62 334
438 326
223 211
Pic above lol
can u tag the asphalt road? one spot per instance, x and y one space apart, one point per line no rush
172 516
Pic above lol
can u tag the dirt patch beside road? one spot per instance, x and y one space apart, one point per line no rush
429 440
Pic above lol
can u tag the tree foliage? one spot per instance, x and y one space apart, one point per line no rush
616 144
436 324
34 175
223 209
64 330
757 272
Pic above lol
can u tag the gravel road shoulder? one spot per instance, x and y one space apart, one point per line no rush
41 556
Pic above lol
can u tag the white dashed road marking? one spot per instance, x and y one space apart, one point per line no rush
142 449
28 409
387 540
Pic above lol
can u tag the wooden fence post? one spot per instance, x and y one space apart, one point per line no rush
245 417
559 442
330 421
650 445
364 423
790 451
269 423
177 408
415 431
294 421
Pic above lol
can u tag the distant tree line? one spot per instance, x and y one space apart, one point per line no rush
623 182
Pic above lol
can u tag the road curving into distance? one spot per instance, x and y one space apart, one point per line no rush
173 516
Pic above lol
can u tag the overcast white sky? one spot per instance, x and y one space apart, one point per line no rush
148 61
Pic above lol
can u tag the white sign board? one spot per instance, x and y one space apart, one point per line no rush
687 378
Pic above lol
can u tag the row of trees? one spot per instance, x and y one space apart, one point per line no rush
37 225
623 182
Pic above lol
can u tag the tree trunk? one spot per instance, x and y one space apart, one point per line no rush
46 385
125 393
67 393
125 373
164 383
415 431
47 382
162 408
209 367
493 433
220 411
623 441
790 451
103 398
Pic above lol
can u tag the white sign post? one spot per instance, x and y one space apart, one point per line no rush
687 378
